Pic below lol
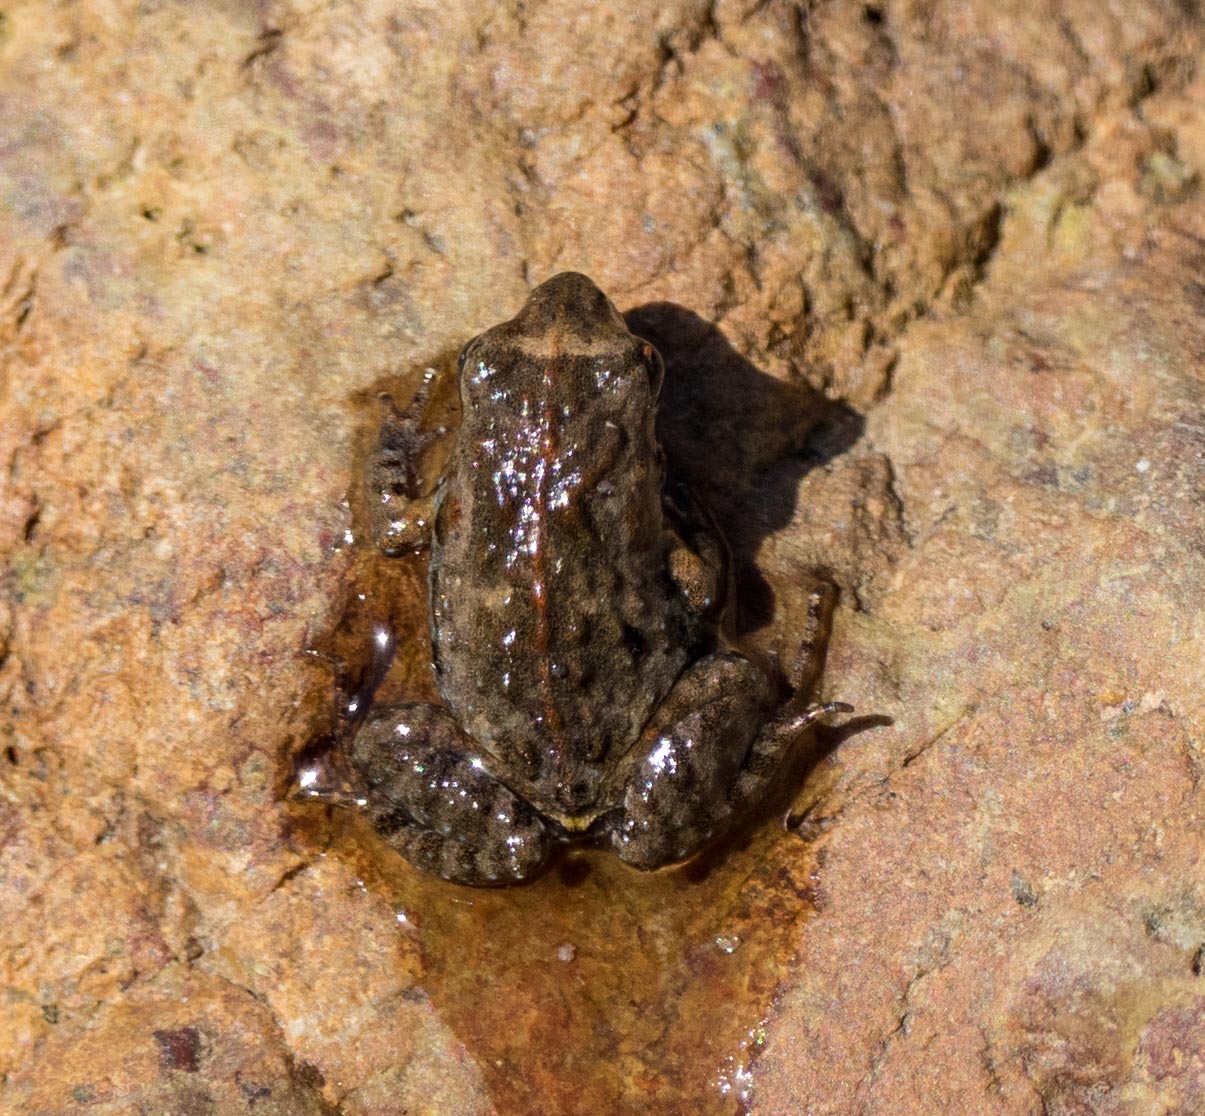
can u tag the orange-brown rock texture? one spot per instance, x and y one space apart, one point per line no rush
929 278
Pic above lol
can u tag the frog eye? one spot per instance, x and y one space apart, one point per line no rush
655 366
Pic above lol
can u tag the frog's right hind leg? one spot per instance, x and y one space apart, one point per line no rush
713 749
809 659
798 713
432 799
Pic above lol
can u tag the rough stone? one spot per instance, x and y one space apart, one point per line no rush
928 281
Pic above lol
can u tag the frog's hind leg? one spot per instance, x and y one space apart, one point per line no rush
690 754
709 753
432 799
797 714
809 659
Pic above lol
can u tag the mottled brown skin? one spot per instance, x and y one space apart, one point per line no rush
572 626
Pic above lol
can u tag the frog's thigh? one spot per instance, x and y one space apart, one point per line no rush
692 754
432 799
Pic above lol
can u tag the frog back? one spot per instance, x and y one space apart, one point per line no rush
555 628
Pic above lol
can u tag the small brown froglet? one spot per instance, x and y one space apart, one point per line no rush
574 607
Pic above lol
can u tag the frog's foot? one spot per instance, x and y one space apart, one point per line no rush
696 576
400 511
432 799
706 759
809 660
771 747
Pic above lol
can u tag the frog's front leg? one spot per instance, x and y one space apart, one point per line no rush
432 799
707 755
400 506
696 557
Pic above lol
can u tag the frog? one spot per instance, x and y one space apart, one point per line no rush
576 598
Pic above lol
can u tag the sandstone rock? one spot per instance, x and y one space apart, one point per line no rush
927 277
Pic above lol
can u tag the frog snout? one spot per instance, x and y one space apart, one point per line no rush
570 305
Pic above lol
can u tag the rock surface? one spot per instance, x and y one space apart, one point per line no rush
928 280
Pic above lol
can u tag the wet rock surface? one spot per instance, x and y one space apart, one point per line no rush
928 281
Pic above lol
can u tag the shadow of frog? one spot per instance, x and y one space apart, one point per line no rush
741 439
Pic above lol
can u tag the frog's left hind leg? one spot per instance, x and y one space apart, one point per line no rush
432 799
